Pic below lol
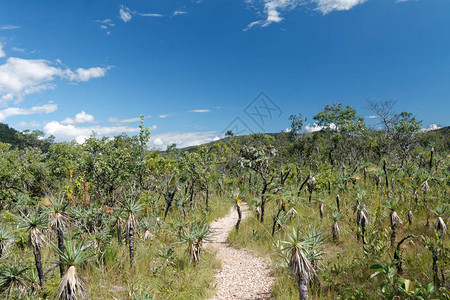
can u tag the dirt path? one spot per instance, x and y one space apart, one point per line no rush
243 275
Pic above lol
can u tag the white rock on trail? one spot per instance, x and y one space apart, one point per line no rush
243 275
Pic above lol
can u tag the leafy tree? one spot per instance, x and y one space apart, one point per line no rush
229 133
261 161
336 118
296 125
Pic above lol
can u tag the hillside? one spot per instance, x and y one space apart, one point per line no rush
21 140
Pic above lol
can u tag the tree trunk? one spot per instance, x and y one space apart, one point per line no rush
385 174
238 208
263 203
131 244
303 288
431 157
60 234
338 203
119 232
169 199
38 262
207 198
263 200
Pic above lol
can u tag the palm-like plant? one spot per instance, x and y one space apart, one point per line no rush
237 205
298 248
76 254
335 231
147 226
440 211
194 236
5 237
361 218
394 218
410 217
34 223
131 207
13 279
279 221
118 223
311 185
58 220
321 209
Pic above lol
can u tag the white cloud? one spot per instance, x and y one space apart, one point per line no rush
272 9
8 27
117 120
2 53
371 117
327 6
315 127
200 110
86 74
125 13
105 21
151 15
29 124
182 139
17 111
106 24
19 77
431 127
164 116
80 134
179 12
80 118
18 49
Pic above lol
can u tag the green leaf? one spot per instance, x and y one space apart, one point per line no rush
375 274
376 267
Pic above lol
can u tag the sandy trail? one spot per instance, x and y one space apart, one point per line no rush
243 275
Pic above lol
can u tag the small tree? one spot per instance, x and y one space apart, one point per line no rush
75 255
57 220
131 207
34 223
301 250
261 161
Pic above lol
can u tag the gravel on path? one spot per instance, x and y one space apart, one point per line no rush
243 275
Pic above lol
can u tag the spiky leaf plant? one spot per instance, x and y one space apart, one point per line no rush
5 236
13 280
440 212
35 222
335 231
58 219
395 220
131 208
361 219
194 236
298 247
410 217
76 254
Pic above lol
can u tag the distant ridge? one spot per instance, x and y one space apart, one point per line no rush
20 140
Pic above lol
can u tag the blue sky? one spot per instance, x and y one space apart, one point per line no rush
192 67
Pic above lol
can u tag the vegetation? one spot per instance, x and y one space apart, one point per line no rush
110 219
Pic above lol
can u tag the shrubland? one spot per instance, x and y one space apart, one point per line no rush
347 212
